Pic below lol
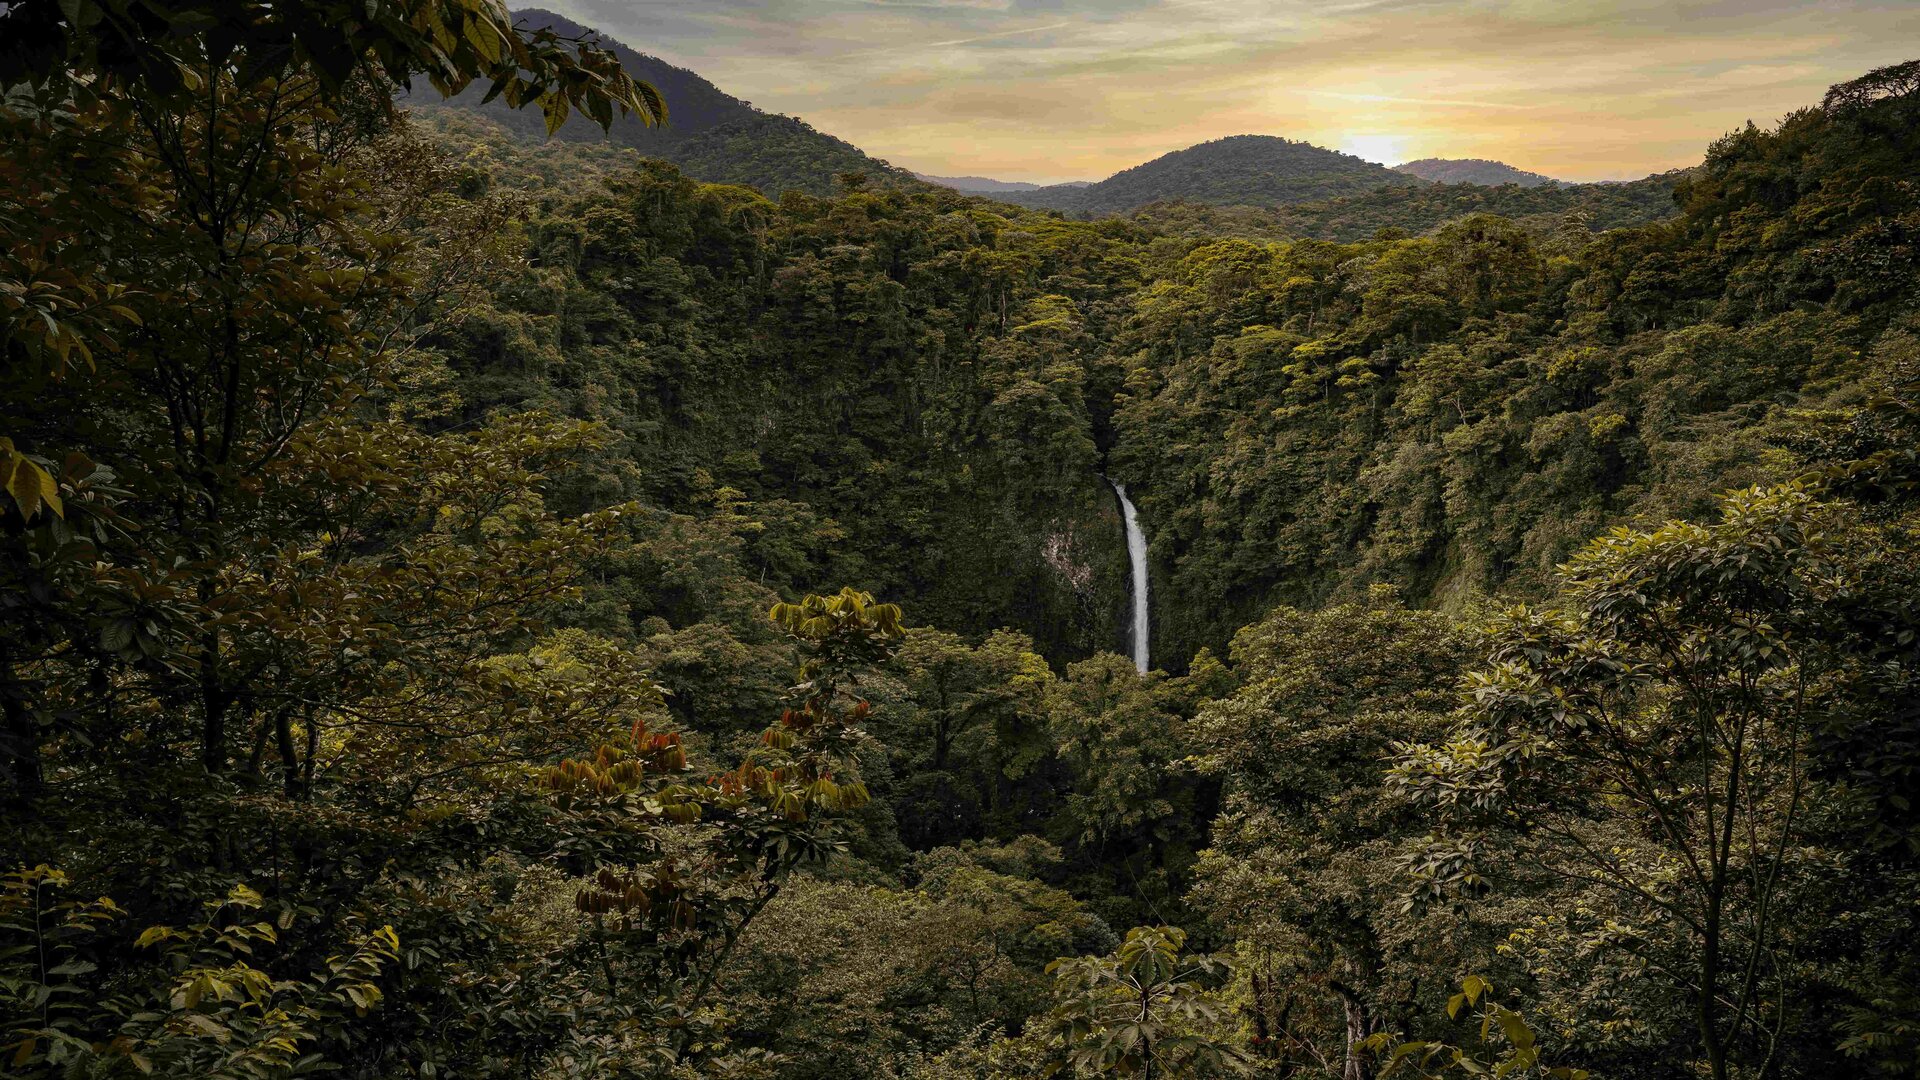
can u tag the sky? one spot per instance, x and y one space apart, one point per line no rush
1052 90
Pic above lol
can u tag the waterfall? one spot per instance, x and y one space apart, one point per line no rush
1137 555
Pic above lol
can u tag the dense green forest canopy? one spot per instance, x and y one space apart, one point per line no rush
1421 210
476 608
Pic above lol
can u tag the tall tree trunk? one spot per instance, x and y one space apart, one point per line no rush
19 736
289 760
1359 1026
215 698
213 734
1709 988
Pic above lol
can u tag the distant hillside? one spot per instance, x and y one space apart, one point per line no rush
1472 171
776 154
983 185
710 134
980 184
1241 170
1421 210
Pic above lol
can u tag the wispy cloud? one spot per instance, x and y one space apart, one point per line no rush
1440 102
896 50
941 5
993 37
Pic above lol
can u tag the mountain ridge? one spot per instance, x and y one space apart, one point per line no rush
710 134
983 184
987 185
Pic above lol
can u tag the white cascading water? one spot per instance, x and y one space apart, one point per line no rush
1136 554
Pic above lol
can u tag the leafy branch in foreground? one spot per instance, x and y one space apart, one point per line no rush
215 1009
1143 1011
684 866
1509 1045
134 48
1651 745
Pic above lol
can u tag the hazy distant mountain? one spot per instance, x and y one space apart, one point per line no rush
980 184
1472 171
1242 170
710 134
983 185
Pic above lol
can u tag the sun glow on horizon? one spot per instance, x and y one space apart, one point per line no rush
1037 90
1379 149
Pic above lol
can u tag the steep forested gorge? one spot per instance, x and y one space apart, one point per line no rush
472 607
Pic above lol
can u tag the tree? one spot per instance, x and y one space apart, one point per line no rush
1300 865
213 1006
1134 803
870 979
224 271
1894 80
1515 1046
968 735
134 50
263 643
223 93
1649 745
681 869
1142 1011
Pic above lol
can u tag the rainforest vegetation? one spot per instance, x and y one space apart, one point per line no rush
1417 210
472 607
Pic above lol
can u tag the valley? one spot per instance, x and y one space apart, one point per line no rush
558 584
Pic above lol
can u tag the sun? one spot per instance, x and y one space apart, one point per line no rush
1379 149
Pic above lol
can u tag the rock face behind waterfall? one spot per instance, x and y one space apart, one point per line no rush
1064 566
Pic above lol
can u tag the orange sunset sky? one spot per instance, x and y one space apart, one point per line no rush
1049 90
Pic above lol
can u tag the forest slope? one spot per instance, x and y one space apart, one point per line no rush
711 134
1421 210
424 648
1455 413
1241 170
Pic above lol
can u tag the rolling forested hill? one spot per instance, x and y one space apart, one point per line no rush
1241 170
979 185
1472 171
